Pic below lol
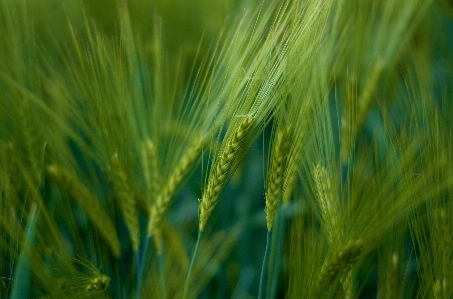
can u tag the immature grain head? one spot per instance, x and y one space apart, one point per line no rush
328 204
221 167
276 174
166 195
289 190
338 266
150 168
348 284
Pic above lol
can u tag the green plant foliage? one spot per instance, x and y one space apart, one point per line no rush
226 149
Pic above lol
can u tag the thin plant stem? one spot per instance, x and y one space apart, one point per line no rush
138 267
192 262
276 253
160 266
264 267
22 278
141 266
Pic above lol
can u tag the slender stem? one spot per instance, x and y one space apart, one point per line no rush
160 266
22 277
140 265
192 262
275 258
144 254
264 267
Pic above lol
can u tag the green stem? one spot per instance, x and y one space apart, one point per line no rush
275 253
21 286
264 267
192 262
140 265
160 266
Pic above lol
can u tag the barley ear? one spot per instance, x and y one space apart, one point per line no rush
347 283
276 177
220 169
150 170
126 201
163 200
289 189
88 203
327 203
338 266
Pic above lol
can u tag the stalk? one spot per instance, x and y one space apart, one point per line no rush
140 264
160 266
22 279
138 274
275 254
192 262
264 266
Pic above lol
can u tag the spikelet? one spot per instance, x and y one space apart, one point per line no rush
164 199
88 203
328 204
150 170
276 174
338 266
221 167
347 285
289 190
126 200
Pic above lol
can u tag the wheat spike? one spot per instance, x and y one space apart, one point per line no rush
163 200
219 172
276 177
339 265
84 199
126 201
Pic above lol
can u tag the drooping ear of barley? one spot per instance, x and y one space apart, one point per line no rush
126 201
337 267
276 175
163 200
221 167
88 203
